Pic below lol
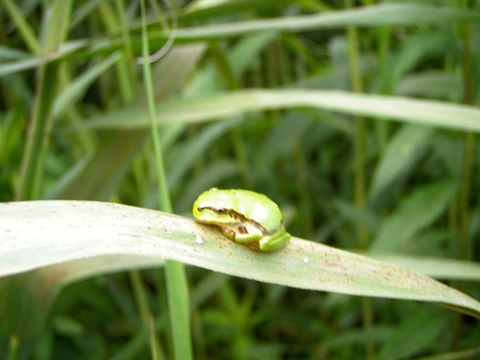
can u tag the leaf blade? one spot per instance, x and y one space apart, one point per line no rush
237 103
43 233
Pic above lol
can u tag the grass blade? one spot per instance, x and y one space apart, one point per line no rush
51 234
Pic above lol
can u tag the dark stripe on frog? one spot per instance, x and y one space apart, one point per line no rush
233 214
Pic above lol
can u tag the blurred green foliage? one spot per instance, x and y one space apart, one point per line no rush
347 181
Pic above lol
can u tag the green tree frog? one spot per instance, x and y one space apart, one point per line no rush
243 216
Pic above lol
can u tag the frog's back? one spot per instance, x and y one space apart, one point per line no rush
254 206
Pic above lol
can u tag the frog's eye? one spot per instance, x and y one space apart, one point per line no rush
241 229
219 211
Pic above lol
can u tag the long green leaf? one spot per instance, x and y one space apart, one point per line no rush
439 268
378 15
236 103
49 235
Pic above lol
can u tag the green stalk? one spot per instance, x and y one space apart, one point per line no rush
31 172
384 36
468 148
177 287
359 176
463 246
359 140
126 72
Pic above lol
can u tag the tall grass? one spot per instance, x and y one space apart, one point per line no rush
307 102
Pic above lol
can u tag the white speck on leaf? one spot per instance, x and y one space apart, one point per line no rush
305 260
199 239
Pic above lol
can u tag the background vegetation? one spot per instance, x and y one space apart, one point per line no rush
74 125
